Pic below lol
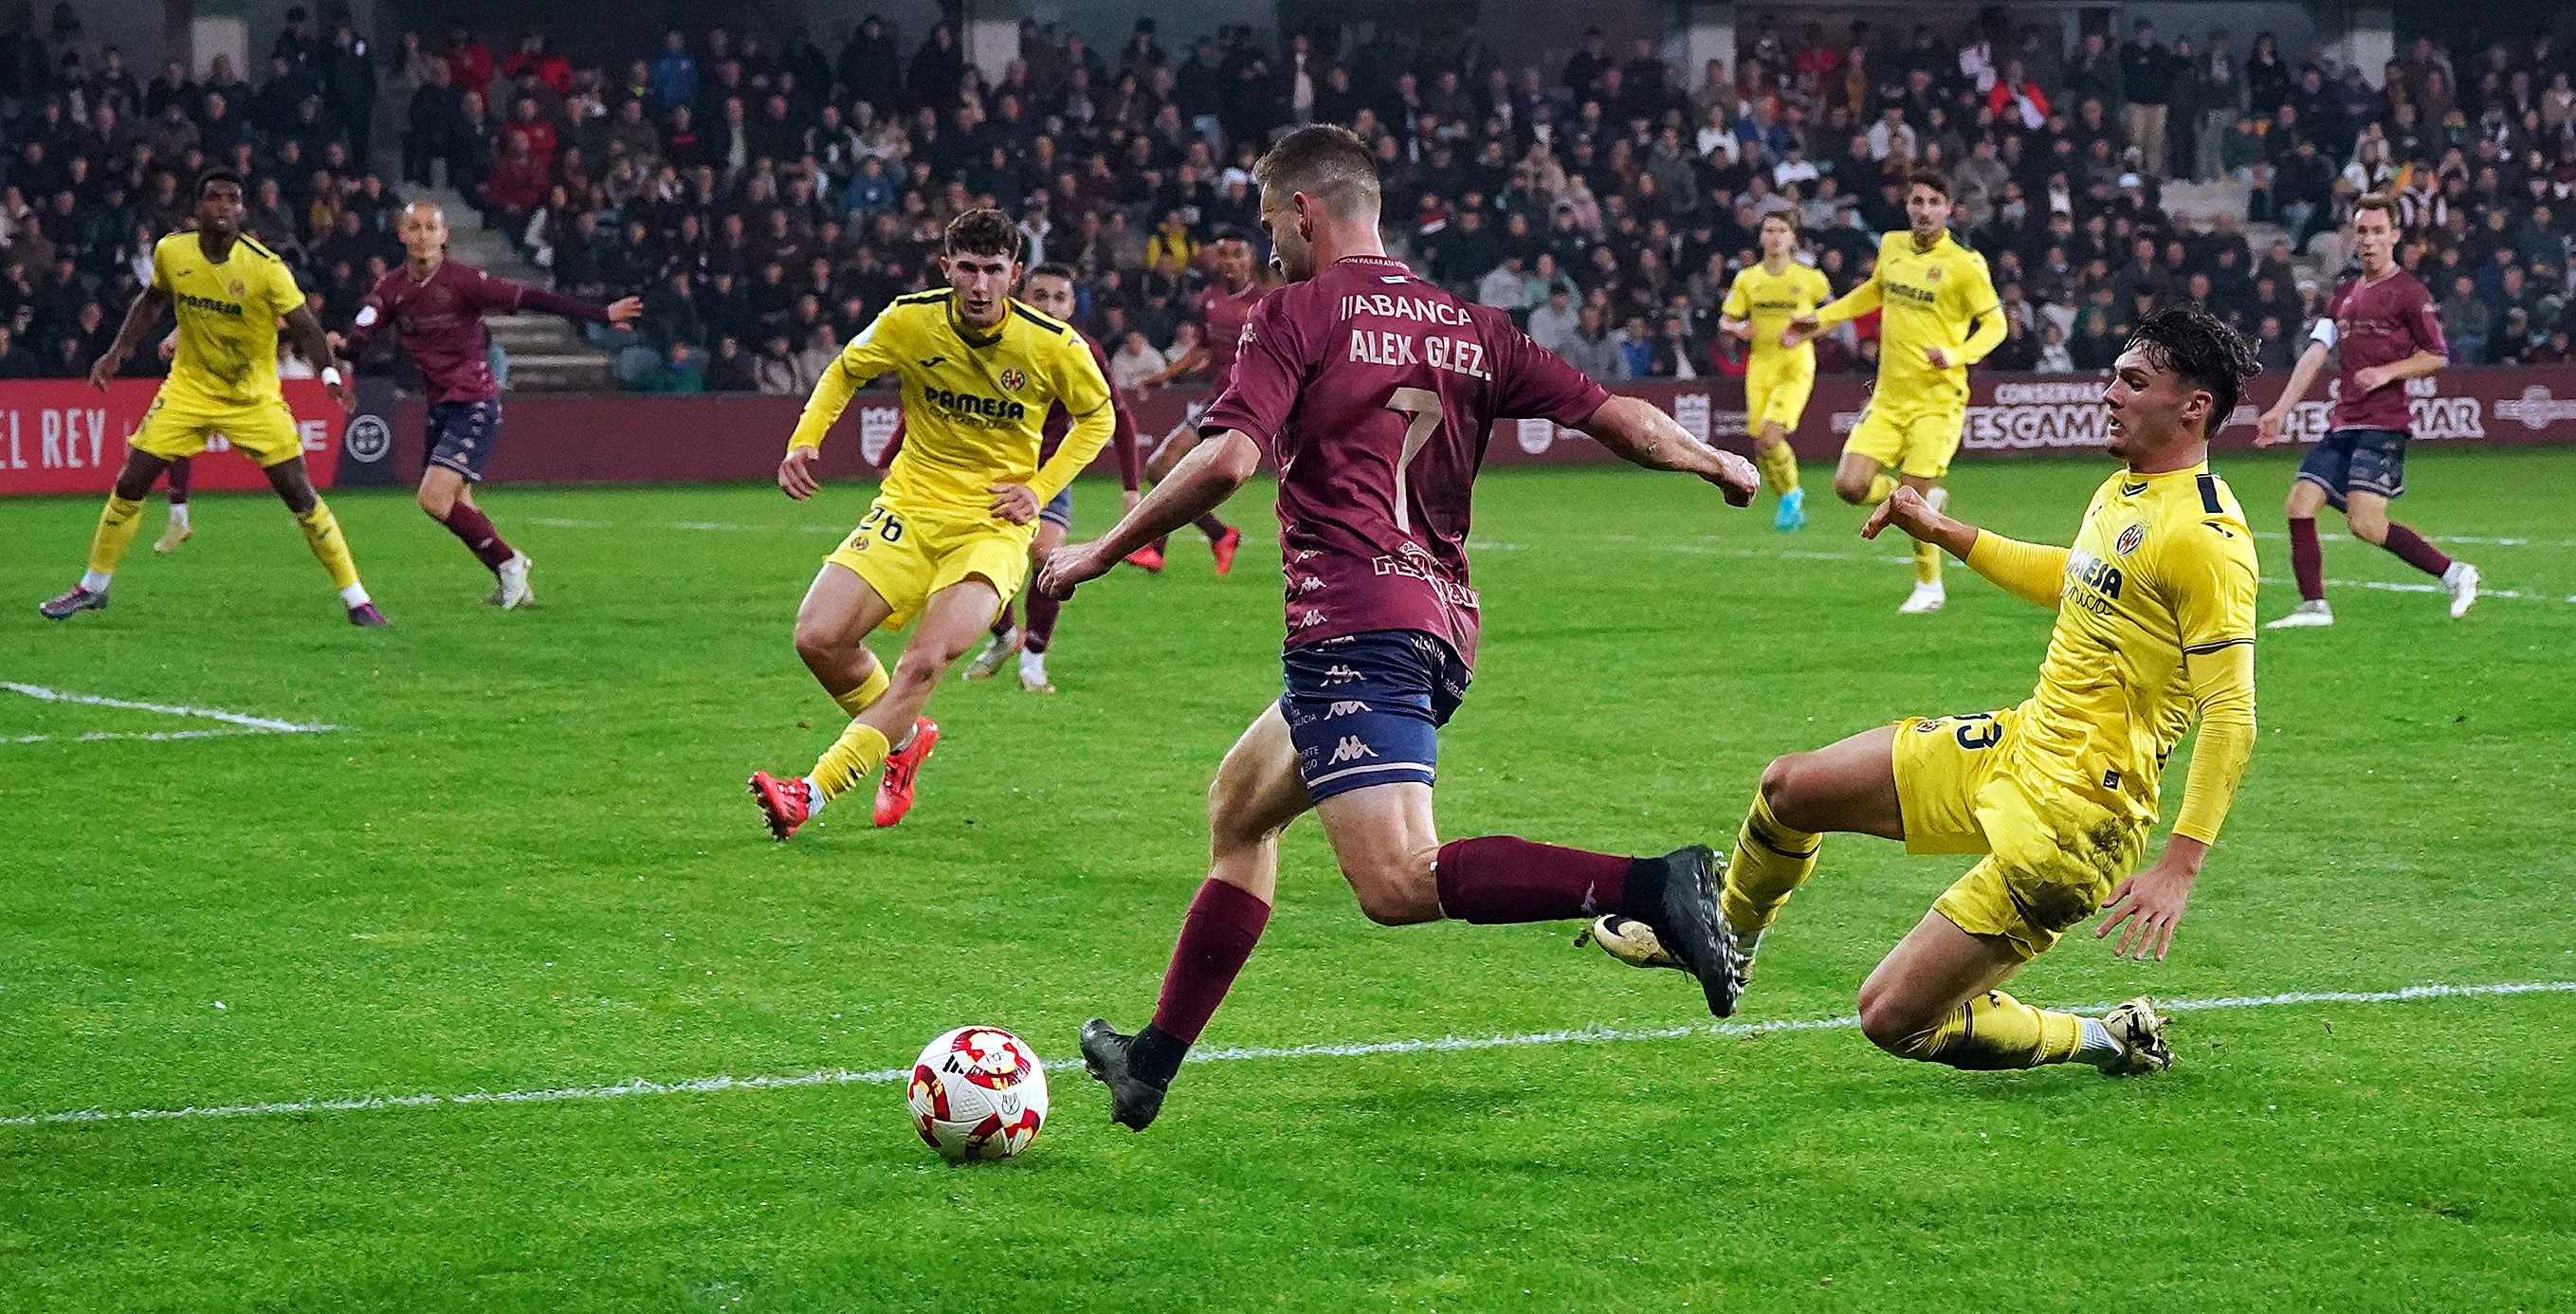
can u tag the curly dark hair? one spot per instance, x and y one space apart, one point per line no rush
2207 354
983 232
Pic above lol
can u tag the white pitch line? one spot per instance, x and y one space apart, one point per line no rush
96 736
263 724
1436 1045
1801 554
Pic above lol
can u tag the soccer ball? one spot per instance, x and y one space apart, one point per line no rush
978 1093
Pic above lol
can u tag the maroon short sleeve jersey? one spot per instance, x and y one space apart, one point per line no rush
2380 322
1222 317
1375 392
440 321
1122 438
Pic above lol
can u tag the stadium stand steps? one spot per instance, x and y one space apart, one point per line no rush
546 354
2202 202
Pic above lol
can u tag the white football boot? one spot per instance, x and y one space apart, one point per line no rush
2461 582
2312 615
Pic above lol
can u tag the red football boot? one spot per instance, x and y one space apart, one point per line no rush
1224 547
782 803
894 788
1147 558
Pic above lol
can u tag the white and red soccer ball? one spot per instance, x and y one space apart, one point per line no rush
978 1093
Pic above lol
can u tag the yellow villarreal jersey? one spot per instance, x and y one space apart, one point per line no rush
2163 567
1772 300
974 405
228 312
1927 299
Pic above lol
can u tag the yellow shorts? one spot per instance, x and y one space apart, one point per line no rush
2052 855
1776 388
263 431
908 559
1911 440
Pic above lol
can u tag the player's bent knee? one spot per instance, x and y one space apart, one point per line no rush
1395 894
1790 786
1894 1027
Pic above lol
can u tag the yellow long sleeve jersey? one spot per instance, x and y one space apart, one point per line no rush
1938 298
2155 625
975 404
1769 301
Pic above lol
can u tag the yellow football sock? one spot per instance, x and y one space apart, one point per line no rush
853 757
869 690
322 534
1880 488
1769 863
1995 1032
1779 466
1927 564
116 526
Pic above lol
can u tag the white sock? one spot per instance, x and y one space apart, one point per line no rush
814 799
2096 1045
95 580
1033 663
179 515
355 595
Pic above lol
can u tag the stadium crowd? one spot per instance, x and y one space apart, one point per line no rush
765 197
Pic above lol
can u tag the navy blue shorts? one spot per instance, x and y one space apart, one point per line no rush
462 435
1366 709
2357 460
1059 510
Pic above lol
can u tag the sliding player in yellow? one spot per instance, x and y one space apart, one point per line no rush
229 293
1778 378
2155 625
1940 315
947 541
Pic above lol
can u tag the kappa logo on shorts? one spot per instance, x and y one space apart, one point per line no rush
2130 538
1345 709
1339 675
1351 749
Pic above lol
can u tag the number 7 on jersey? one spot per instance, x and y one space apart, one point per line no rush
1423 406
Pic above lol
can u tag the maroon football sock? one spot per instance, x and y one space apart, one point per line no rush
1162 545
1225 921
178 475
474 529
2307 560
1002 624
1212 527
1042 612
2411 548
1497 878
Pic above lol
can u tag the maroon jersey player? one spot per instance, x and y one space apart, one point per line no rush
1050 288
1375 393
2383 330
436 306
1224 308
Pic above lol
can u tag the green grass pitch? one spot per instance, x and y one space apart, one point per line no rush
522 861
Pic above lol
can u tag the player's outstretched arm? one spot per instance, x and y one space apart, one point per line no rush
1849 306
1639 432
2148 905
2267 430
2029 571
140 318
1199 484
305 331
